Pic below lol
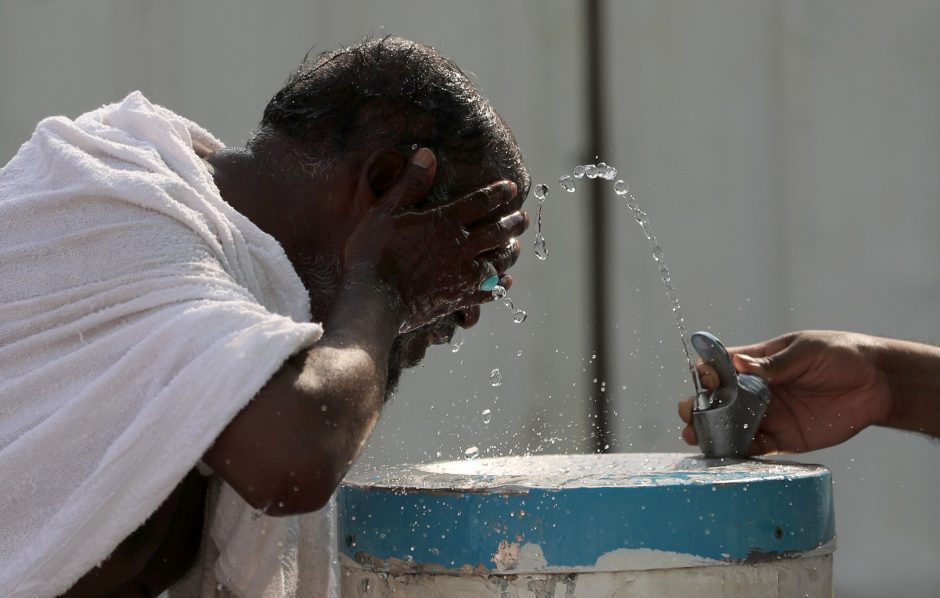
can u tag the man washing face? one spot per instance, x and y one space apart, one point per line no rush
170 305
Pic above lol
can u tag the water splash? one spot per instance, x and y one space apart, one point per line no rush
541 249
456 340
540 191
472 452
496 378
518 315
567 183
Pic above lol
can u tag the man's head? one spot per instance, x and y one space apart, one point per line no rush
392 94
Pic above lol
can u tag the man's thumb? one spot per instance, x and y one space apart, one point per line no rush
416 181
760 366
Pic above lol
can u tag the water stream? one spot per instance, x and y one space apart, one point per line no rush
620 187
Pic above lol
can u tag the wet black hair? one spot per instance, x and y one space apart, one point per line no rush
395 93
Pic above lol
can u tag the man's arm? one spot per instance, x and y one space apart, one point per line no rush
828 386
290 447
913 372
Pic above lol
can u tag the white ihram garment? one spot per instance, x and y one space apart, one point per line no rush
138 314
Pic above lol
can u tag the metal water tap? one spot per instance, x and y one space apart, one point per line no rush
726 419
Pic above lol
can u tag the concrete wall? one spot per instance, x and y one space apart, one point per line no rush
788 155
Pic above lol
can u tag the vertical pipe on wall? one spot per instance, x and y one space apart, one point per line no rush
599 317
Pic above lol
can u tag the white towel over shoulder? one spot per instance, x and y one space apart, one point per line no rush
138 314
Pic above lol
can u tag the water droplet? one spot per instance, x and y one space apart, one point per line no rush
519 316
745 426
496 378
578 172
541 249
472 452
621 187
499 292
487 415
519 353
610 174
456 340
567 183
540 191
592 171
409 559
323 408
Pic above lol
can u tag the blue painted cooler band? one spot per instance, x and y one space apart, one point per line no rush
741 511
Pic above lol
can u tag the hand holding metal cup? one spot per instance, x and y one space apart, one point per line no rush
726 419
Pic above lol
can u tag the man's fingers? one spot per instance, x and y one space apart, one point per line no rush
708 376
504 257
496 234
414 185
688 435
685 410
479 204
747 364
468 317
766 348
776 368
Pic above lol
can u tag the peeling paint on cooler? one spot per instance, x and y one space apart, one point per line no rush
564 523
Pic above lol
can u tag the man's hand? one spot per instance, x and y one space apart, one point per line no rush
432 260
827 387
288 449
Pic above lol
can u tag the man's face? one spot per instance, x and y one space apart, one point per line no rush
322 275
410 348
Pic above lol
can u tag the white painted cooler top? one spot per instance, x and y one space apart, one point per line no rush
556 518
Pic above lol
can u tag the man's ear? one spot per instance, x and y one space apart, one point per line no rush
382 170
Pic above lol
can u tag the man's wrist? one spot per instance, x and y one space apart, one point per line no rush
365 292
912 371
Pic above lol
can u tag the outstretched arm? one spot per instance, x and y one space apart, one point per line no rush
828 386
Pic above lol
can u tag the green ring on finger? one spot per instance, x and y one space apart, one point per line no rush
489 283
